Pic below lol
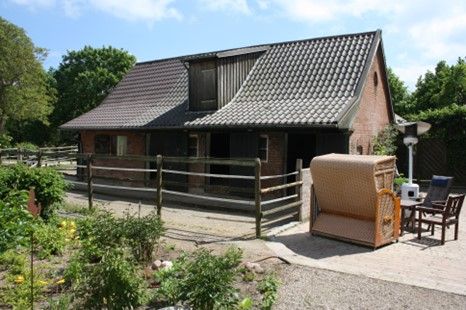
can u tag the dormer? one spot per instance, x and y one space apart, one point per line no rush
203 92
215 78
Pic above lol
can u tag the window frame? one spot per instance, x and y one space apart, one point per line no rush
196 136
259 149
112 144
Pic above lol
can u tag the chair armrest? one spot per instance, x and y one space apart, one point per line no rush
430 210
439 202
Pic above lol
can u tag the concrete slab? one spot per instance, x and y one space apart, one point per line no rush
423 263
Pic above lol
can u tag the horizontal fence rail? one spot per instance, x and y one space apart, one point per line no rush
172 178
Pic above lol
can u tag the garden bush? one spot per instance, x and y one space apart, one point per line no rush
99 232
268 287
142 234
112 283
49 240
49 185
202 280
15 220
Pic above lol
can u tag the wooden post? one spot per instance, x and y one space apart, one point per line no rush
39 158
257 196
1 153
19 156
158 184
299 177
90 188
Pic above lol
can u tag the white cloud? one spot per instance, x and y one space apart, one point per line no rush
148 11
35 3
409 73
315 11
240 6
263 4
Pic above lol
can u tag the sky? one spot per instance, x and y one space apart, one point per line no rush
416 34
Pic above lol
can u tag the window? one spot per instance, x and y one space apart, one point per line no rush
203 86
263 147
111 145
121 145
376 79
193 146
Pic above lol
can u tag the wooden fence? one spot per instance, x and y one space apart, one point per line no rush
270 205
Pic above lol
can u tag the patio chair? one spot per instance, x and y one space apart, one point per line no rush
438 191
441 214
352 199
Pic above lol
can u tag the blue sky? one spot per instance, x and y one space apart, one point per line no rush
416 33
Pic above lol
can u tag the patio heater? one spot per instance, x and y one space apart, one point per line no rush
411 131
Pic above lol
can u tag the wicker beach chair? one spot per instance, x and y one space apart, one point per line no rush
353 199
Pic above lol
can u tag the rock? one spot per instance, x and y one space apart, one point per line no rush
254 267
161 264
156 265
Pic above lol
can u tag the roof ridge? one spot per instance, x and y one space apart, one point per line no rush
258 45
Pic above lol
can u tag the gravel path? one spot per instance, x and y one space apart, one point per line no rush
310 288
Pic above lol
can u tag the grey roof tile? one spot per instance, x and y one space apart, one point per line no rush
299 83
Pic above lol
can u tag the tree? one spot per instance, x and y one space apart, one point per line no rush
400 95
85 77
23 81
442 88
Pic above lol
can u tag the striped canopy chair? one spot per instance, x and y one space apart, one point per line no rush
353 199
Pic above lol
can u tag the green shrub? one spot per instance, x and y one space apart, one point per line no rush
15 220
385 141
99 233
142 234
268 287
48 183
202 280
49 240
111 284
16 262
28 146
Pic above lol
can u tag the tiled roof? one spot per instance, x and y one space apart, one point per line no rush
300 83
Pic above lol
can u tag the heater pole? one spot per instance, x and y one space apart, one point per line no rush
410 163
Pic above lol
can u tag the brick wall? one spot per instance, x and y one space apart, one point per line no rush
136 146
373 114
276 157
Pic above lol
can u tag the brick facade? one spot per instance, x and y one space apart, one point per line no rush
136 146
276 157
374 109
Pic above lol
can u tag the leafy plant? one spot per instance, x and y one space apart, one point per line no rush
99 233
268 287
142 234
385 141
112 283
28 146
15 220
202 280
49 185
49 240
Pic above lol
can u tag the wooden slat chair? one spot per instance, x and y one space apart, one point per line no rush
439 189
441 214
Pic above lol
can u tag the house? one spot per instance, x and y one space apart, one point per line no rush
279 102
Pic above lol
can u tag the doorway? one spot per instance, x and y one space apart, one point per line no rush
219 148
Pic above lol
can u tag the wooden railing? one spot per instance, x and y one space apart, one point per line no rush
272 204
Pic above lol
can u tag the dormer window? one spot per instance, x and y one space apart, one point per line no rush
203 85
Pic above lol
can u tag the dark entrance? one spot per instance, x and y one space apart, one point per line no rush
300 145
219 148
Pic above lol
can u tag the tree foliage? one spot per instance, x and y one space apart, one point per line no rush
400 95
85 77
23 82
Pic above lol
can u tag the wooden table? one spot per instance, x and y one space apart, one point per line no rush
408 204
